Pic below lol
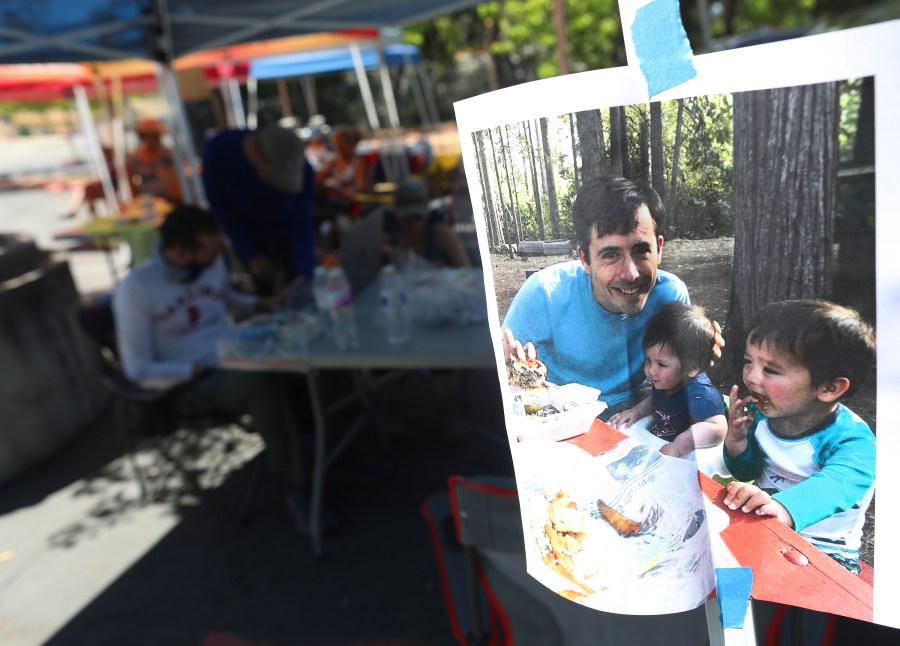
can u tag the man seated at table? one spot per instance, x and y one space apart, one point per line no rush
262 189
585 319
170 313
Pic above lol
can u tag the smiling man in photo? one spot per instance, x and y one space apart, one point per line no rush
585 318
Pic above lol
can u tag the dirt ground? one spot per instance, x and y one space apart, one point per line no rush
705 266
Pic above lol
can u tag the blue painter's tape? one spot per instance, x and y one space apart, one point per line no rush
733 587
661 45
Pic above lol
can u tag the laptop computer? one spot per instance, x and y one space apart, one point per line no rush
360 250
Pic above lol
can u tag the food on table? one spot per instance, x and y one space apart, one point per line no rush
526 374
624 526
566 530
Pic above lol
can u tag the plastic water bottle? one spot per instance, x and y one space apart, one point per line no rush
394 306
339 296
320 295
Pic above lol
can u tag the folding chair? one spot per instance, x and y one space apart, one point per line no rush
477 533
147 418
490 597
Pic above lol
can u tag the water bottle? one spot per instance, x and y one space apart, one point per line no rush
340 309
394 306
320 295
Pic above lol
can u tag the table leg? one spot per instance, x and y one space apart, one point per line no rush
318 470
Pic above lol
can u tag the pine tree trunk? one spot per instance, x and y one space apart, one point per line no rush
486 198
644 150
502 211
615 142
513 199
538 201
550 182
574 150
590 139
785 176
657 164
672 202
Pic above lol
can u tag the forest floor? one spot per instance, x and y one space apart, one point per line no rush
705 267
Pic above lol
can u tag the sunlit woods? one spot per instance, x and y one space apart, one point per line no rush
530 171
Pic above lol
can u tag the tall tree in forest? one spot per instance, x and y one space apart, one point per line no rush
550 181
502 211
538 202
513 197
644 148
589 124
494 237
623 134
785 174
657 174
616 137
672 197
574 148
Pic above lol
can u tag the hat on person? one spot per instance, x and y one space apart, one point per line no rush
411 199
283 152
150 126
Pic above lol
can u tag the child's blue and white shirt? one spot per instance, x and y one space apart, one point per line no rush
825 478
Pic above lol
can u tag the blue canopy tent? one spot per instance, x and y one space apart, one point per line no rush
331 60
359 59
163 30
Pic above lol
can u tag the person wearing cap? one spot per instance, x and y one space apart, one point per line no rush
262 189
427 237
150 167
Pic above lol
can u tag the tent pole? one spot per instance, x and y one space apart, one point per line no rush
185 156
364 88
237 105
428 90
95 153
252 103
308 87
284 99
118 139
388 89
409 70
227 105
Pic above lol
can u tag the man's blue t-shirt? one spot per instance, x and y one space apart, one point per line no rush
578 340
694 402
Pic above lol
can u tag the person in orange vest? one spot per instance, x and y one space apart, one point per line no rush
150 167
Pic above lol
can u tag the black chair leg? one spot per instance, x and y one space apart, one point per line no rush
250 494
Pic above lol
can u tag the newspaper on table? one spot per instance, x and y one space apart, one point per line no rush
618 532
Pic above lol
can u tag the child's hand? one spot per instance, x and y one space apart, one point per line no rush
672 449
738 424
751 499
625 419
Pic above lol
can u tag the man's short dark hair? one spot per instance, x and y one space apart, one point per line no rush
687 331
831 340
183 226
608 204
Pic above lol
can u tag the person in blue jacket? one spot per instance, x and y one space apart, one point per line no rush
585 319
811 459
262 189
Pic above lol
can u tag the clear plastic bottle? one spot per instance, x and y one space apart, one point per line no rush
320 296
394 306
339 296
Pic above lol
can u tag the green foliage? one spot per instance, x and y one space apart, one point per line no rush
850 100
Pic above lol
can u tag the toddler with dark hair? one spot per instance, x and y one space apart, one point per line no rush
811 459
678 347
